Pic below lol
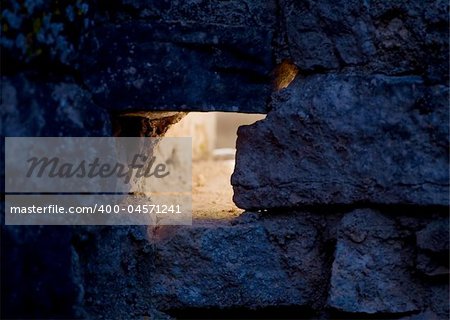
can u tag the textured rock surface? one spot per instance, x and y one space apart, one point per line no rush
306 264
42 34
340 134
434 237
372 270
40 268
111 263
38 108
194 56
390 37
345 139
433 245
40 273
205 266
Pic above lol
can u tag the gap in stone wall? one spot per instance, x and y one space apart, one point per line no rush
213 152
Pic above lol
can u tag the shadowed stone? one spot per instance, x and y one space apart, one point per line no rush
281 263
346 139
193 56
371 270
390 37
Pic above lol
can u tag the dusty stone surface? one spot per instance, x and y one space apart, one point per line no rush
346 139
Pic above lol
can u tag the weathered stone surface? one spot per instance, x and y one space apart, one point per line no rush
433 265
287 261
427 315
392 37
40 269
110 259
433 248
38 108
205 265
226 13
41 34
35 107
346 139
191 57
372 267
330 140
438 298
434 236
40 273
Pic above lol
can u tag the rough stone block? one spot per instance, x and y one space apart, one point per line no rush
434 236
190 56
392 37
346 139
371 270
39 108
205 265
433 248
40 268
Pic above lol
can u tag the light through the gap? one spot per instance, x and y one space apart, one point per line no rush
213 152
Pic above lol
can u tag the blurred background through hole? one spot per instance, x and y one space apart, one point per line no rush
213 153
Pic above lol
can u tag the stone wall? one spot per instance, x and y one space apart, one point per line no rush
345 181
361 131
